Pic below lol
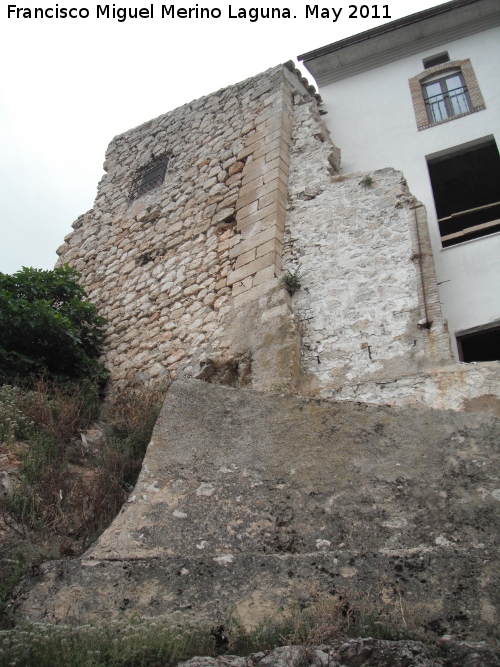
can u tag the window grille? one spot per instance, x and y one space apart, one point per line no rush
444 92
446 97
152 178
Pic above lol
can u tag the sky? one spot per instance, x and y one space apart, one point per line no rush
69 85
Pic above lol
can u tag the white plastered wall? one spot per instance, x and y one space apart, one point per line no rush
371 118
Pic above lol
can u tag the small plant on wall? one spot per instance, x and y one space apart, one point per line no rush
366 181
290 280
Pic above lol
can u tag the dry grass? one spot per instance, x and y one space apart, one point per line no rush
164 641
321 619
68 492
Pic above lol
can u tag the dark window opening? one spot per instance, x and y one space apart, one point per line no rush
151 178
466 188
437 59
480 346
446 97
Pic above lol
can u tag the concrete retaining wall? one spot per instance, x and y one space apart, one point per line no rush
248 500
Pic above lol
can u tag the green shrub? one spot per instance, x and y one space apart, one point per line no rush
14 423
290 280
67 492
143 643
47 327
54 497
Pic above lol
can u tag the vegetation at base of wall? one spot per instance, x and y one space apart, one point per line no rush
48 327
163 642
67 489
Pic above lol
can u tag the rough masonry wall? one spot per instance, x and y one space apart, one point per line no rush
188 275
363 255
167 269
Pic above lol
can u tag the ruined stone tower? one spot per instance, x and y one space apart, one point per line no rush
201 212
248 498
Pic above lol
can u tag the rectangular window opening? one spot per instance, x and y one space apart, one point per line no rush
436 59
480 346
152 178
466 188
446 97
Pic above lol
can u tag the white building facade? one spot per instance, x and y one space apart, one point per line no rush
422 95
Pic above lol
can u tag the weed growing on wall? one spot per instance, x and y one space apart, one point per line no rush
290 280
366 181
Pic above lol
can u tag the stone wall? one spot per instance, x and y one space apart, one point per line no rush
188 274
167 268
366 269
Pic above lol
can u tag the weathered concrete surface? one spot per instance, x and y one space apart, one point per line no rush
247 500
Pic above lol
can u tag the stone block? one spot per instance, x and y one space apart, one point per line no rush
276 220
278 152
264 275
271 148
276 168
279 134
273 245
252 185
253 242
259 214
253 293
253 165
247 198
245 152
245 258
242 286
252 138
247 210
276 196
251 268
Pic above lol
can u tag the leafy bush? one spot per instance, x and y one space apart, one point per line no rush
48 327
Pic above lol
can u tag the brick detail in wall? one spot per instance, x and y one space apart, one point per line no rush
417 95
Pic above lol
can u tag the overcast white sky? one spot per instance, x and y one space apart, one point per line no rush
68 86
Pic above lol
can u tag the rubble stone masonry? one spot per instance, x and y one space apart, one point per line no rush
188 274
167 269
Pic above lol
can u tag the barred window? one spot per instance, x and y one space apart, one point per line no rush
444 92
446 97
151 178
